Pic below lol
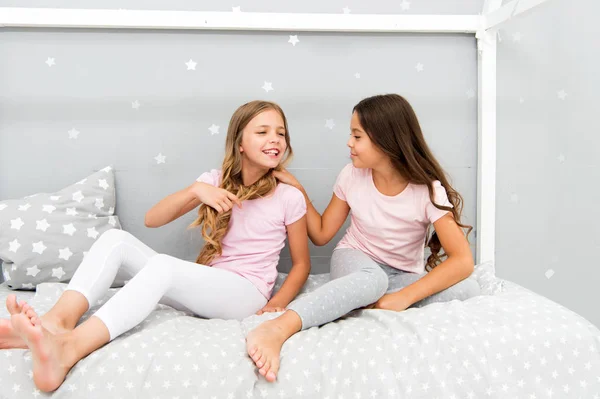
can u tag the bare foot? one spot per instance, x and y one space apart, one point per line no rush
49 351
264 345
10 339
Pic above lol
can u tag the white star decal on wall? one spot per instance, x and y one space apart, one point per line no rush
50 61
160 158
329 124
561 94
549 273
191 65
236 9
357 75
561 158
294 40
405 5
135 104
419 67
214 129
73 134
346 10
268 86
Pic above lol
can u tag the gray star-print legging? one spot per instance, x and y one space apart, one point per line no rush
357 281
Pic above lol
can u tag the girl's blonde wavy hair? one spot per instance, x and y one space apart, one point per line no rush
215 225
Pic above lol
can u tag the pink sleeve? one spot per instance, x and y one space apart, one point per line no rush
441 198
295 205
340 188
213 177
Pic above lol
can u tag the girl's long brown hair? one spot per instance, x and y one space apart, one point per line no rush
393 127
215 225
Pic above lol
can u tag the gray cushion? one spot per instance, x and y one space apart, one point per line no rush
44 237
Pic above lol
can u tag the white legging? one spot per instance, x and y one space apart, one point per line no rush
156 278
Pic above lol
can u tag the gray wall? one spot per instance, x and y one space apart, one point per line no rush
545 218
99 74
548 149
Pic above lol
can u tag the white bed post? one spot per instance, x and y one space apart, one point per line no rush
486 139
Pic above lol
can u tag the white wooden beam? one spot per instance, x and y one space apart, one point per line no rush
486 147
510 10
293 22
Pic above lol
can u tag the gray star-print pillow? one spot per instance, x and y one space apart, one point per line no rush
44 237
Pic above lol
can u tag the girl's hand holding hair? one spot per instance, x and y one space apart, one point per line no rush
217 198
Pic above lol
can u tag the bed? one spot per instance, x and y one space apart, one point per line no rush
506 343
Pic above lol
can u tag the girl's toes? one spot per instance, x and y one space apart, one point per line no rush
257 355
271 376
260 362
265 369
252 352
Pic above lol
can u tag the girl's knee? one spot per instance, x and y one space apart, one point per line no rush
114 235
380 280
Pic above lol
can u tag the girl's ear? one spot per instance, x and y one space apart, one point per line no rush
241 149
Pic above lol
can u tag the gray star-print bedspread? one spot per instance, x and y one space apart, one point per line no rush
508 343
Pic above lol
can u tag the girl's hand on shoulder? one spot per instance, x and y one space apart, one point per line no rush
217 198
286 177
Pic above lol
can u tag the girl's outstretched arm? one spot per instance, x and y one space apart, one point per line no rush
181 202
321 229
457 267
298 241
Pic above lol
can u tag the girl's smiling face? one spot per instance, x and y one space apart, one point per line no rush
363 152
264 141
